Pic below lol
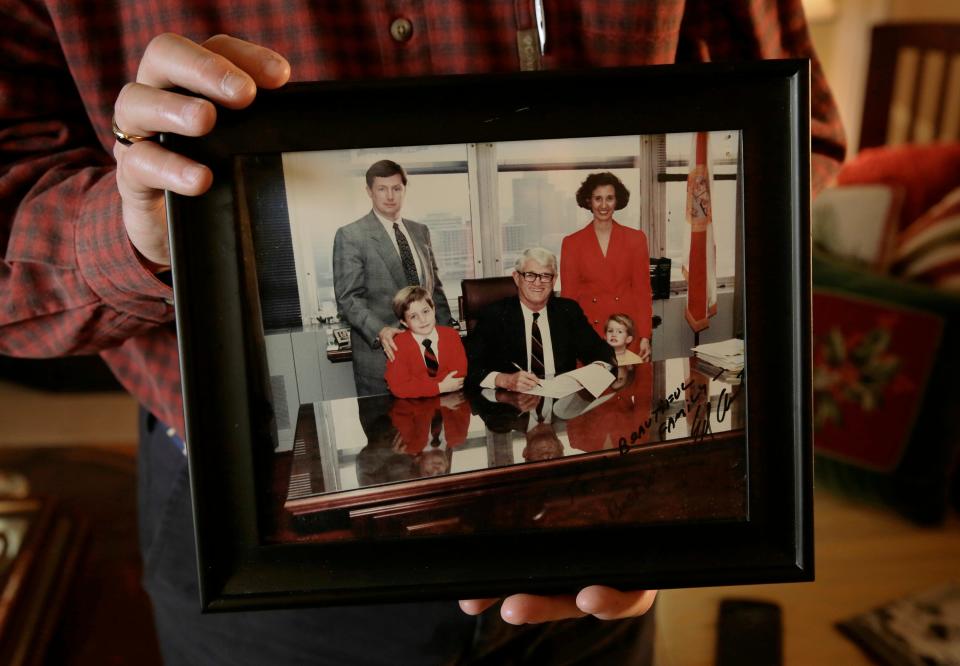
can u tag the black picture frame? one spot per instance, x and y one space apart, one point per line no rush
221 337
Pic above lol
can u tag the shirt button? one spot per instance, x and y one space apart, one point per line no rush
596 321
617 299
594 300
401 30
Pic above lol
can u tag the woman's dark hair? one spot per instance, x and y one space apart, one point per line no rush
595 180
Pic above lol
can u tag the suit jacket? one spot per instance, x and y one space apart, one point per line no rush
498 340
367 274
407 375
605 285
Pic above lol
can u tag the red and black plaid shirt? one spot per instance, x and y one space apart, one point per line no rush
70 281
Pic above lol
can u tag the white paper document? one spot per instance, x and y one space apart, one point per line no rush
727 354
593 377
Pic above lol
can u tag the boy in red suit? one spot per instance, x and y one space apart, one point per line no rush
430 429
430 359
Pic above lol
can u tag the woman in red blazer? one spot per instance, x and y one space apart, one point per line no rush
429 359
605 267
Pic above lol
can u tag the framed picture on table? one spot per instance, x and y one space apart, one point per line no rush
690 469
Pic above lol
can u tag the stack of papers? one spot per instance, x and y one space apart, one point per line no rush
726 355
593 377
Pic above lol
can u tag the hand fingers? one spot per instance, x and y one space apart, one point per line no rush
268 68
607 603
225 69
387 350
145 167
476 606
529 403
603 602
145 111
532 609
526 383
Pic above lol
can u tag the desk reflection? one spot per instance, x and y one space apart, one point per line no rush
650 434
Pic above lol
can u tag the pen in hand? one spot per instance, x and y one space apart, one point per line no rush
522 370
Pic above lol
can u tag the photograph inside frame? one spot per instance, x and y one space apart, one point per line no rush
565 318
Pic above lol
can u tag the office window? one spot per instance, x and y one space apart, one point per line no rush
328 190
537 182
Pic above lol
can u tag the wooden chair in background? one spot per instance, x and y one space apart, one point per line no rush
913 85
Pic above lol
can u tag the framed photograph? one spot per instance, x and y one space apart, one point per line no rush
661 230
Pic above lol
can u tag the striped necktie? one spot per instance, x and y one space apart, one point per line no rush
430 359
436 428
536 349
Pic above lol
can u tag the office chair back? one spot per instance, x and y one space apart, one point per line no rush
478 293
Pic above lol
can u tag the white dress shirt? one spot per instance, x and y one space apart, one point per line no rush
434 339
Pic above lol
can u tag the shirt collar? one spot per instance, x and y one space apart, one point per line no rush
387 223
434 337
528 313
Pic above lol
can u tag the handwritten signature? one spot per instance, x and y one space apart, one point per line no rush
696 404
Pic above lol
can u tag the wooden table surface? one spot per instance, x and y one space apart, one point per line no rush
865 556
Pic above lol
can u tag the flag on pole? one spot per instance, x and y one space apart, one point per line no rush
701 271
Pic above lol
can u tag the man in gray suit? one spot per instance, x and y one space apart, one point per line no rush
373 258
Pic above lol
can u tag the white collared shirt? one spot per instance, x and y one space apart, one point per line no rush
434 339
388 227
543 323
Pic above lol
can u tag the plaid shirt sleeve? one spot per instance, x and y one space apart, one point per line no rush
70 282
767 30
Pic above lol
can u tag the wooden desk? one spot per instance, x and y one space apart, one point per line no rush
865 556
365 467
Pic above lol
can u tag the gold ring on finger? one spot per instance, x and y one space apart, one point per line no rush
125 138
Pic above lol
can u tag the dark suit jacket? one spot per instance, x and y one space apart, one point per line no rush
498 341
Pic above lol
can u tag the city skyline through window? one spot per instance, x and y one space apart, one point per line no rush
532 202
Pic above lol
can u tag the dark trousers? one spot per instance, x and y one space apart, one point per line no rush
426 633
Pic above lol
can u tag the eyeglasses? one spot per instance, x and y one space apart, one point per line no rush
533 277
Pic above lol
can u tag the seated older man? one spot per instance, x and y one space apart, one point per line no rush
533 335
